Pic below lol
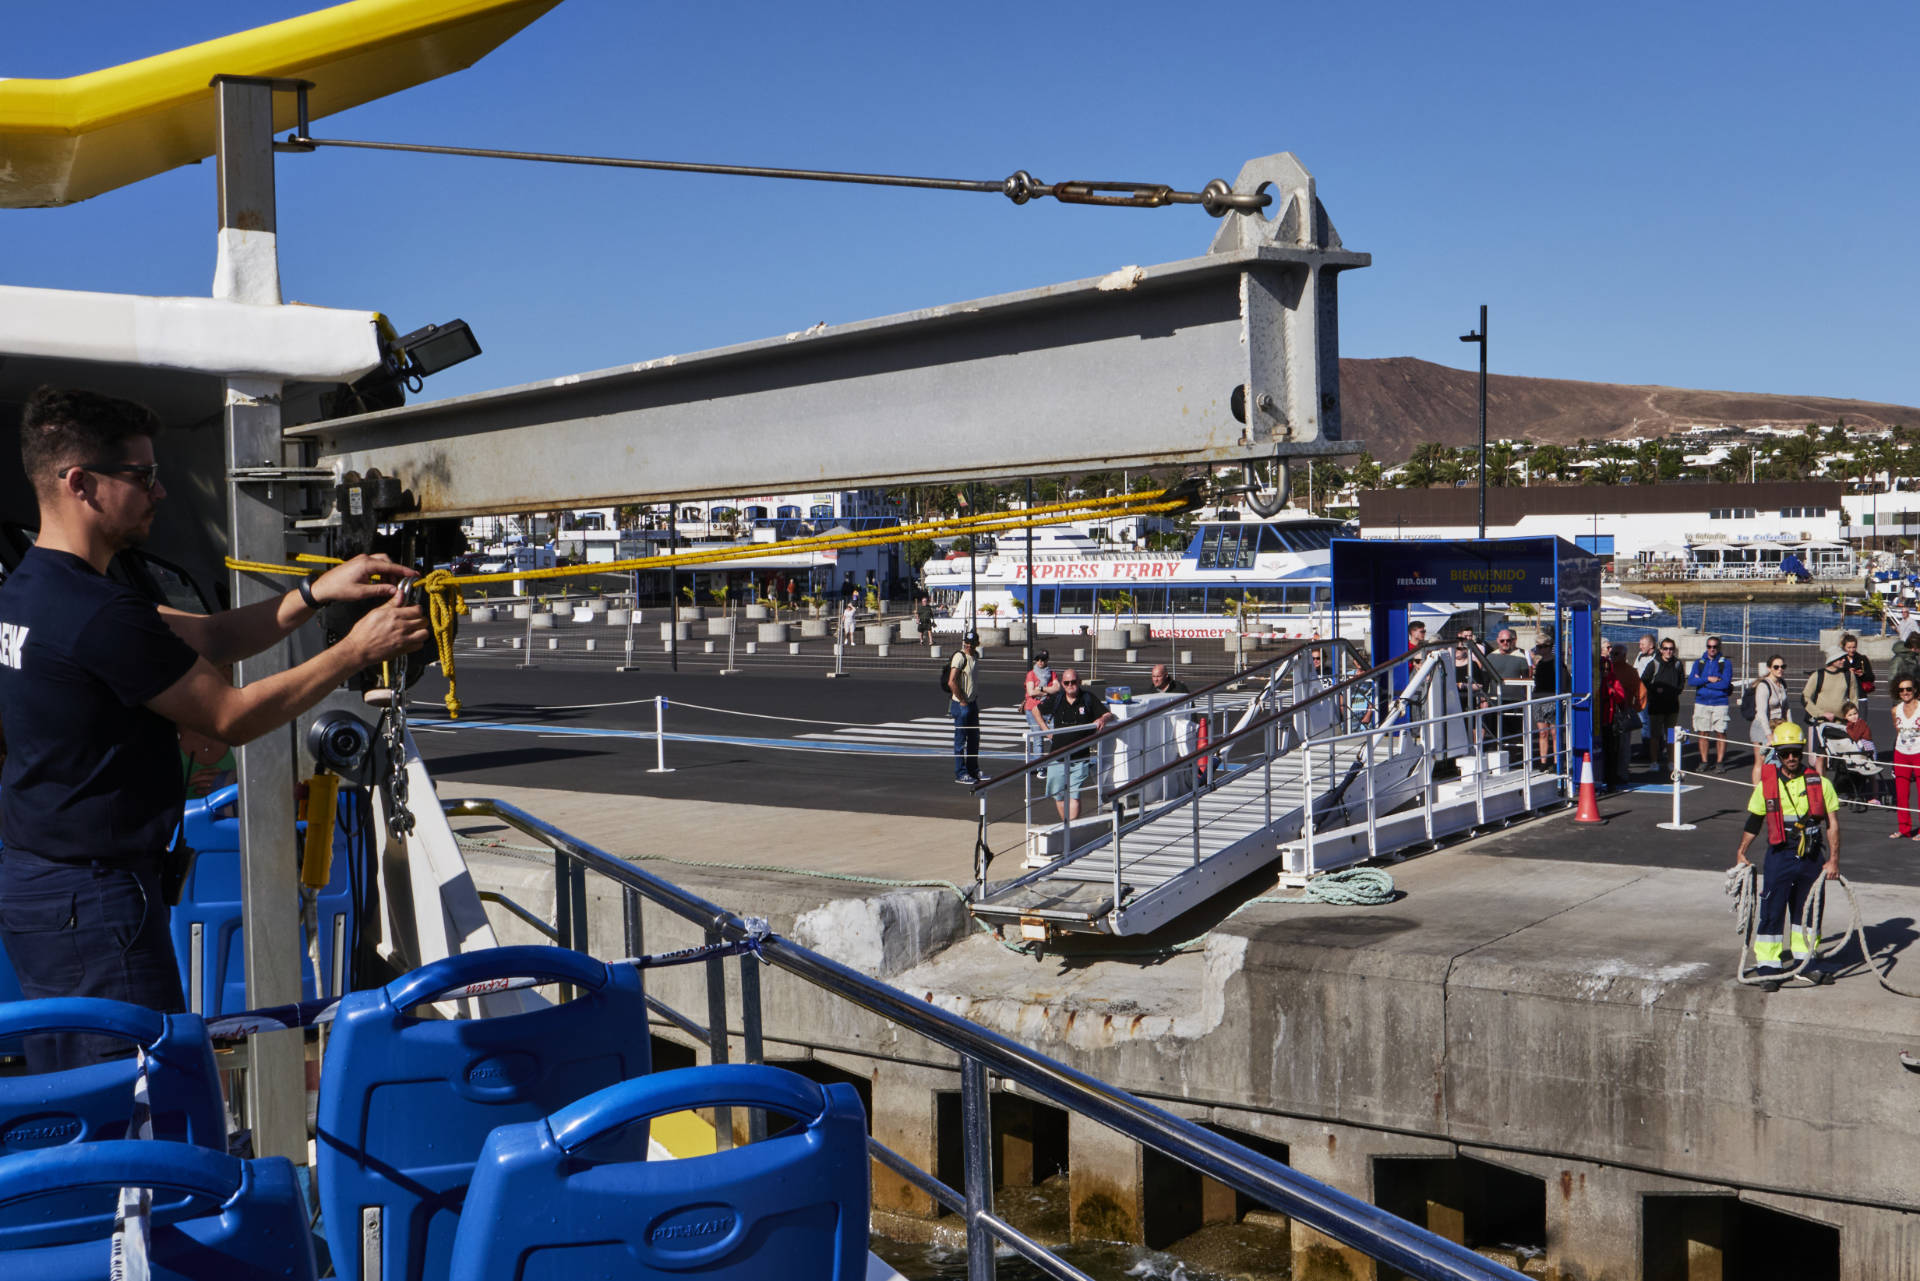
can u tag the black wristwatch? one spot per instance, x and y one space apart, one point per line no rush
306 594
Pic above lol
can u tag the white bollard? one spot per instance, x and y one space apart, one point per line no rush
753 647
1079 655
516 642
592 644
793 647
709 647
553 642
882 650
1676 825
1186 656
659 735
1133 656
479 642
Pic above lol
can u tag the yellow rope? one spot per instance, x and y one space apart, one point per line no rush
441 588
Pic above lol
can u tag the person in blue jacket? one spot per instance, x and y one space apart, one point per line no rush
1711 679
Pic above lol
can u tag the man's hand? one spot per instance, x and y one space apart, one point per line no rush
388 629
354 580
1832 869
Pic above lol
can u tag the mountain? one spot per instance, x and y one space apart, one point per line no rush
1395 405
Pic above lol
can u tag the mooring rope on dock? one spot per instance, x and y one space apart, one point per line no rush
1742 885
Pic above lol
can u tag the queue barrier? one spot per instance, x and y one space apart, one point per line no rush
407 1103
87 1105
208 942
546 1202
233 1220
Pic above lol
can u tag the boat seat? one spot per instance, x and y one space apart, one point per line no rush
547 1202
215 1217
94 1103
406 1103
208 942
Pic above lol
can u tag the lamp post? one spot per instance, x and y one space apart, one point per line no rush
1480 336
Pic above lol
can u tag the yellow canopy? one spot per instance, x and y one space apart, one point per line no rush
62 141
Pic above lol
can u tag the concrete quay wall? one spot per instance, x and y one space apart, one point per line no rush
1571 1024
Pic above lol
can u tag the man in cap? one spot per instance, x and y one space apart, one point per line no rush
961 705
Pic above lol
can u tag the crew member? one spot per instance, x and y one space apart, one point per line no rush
964 708
1800 814
95 684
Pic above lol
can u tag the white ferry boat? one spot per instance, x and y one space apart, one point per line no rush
1267 575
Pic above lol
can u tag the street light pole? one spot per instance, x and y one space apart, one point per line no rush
1480 336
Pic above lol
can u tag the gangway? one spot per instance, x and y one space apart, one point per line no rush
1312 768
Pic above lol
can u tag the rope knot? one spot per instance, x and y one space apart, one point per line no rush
444 602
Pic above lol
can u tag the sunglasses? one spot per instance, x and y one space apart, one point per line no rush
1776 667
1905 689
145 475
1071 684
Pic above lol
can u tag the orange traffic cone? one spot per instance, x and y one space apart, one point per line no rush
1589 811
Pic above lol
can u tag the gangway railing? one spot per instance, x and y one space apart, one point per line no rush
1211 719
1352 1222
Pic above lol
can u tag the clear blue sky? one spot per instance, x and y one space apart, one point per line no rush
1717 196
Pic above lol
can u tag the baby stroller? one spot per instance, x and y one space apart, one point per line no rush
1851 766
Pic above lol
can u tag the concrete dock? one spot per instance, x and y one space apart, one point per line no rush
1537 1048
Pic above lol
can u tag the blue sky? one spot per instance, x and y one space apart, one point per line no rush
1717 196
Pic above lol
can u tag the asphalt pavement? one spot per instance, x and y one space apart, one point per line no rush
871 741
878 742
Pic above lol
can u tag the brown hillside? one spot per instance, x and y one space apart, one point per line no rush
1395 405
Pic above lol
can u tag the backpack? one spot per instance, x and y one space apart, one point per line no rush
1748 707
946 674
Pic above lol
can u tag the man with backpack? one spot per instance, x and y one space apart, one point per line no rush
1712 681
957 679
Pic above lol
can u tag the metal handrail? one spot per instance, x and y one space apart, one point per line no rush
987 785
1348 1220
1253 727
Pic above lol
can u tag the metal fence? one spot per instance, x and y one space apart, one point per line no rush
1372 1231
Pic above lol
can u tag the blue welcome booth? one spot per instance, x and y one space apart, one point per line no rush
1389 575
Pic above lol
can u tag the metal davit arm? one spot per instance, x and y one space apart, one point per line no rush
1346 1219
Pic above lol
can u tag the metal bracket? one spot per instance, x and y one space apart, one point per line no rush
281 475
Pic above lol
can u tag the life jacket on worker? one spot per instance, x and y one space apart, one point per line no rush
1770 789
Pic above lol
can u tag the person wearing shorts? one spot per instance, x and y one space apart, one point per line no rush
1075 715
1712 682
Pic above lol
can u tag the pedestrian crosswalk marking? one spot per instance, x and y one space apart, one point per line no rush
1000 727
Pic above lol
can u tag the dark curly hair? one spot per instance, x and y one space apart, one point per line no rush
62 428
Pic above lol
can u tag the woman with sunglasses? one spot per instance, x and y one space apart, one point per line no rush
1906 755
1769 709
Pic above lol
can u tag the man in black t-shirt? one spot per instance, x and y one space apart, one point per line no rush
1074 714
95 681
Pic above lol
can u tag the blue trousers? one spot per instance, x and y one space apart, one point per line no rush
966 738
1787 880
86 929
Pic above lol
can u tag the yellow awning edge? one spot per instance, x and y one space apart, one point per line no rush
62 141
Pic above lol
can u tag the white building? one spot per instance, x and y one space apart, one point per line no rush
1628 522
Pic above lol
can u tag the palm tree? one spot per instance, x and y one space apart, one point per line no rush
1549 461
1366 472
1502 465
1611 471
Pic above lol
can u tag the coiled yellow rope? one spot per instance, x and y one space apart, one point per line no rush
441 588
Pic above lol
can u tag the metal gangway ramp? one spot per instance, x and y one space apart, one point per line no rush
1297 759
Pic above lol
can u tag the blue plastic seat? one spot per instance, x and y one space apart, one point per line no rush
795 1206
215 1218
207 937
407 1103
93 1103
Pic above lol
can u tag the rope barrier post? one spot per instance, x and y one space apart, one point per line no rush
839 654
660 735
733 627
1676 825
527 642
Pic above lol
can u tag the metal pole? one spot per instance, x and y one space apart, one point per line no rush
659 738
248 270
1031 594
717 1035
976 1130
1480 336
673 587
753 1049
973 565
